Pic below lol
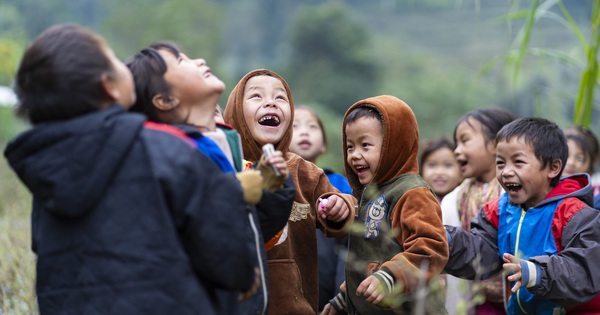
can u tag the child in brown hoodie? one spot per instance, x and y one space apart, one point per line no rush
261 109
401 245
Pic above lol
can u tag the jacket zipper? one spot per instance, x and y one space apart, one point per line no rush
517 253
260 263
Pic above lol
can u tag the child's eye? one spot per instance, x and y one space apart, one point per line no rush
254 96
314 127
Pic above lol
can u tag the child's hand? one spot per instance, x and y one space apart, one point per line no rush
371 289
513 265
267 167
334 208
328 310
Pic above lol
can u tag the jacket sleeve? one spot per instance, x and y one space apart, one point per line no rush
418 216
274 209
475 254
212 219
572 276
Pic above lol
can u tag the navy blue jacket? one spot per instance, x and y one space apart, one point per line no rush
128 219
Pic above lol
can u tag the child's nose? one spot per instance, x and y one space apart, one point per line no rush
200 62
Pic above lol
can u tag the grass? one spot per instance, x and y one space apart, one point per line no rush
17 261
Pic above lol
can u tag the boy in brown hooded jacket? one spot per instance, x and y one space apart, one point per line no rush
401 244
261 109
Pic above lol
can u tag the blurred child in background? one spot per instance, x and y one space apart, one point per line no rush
584 155
475 135
310 141
439 167
261 109
123 218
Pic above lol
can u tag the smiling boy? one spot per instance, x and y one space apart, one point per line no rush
542 230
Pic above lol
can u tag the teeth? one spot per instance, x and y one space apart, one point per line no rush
268 117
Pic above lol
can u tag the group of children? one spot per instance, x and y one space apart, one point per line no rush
176 212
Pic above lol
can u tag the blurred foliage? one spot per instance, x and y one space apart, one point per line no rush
330 58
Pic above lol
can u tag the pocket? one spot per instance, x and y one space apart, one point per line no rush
286 293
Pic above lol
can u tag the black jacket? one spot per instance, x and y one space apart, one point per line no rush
129 219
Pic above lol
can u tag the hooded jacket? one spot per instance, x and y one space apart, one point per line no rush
556 241
126 218
293 270
399 202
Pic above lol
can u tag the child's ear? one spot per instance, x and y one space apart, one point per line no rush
110 87
164 102
555 168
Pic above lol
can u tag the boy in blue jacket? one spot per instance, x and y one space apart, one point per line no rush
542 230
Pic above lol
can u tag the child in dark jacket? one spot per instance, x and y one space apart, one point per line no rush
401 246
542 230
174 89
123 218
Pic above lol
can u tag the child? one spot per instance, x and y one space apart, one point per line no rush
542 228
475 152
584 153
309 141
261 109
439 168
381 141
122 219
187 97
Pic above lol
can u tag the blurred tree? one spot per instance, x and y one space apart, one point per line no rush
330 60
12 42
194 25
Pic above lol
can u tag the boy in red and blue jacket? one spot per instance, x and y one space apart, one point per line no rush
542 230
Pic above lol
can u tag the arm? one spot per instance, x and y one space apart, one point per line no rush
475 254
418 218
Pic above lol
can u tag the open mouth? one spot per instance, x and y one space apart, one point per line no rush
304 144
361 169
269 120
512 187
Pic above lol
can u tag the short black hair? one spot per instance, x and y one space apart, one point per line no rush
60 74
545 137
364 110
148 69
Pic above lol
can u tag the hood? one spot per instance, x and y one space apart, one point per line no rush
234 116
68 165
576 185
400 140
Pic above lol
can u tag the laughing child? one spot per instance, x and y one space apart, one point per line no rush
542 229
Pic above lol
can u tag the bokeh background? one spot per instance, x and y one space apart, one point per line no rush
443 57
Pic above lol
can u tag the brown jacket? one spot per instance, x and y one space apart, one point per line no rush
293 269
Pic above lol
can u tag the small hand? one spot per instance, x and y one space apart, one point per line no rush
329 310
371 289
277 160
335 210
512 264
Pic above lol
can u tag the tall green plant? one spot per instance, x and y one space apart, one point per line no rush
584 100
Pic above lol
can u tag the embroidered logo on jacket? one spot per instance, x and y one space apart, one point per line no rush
376 212
299 211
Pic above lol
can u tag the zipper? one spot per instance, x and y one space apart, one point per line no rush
517 254
260 263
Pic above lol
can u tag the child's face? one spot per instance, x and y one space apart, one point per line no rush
364 138
191 80
577 162
441 171
520 172
475 157
307 140
267 109
123 92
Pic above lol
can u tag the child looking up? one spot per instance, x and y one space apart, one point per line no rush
475 151
178 90
542 229
402 243
309 141
261 109
439 168
122 219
